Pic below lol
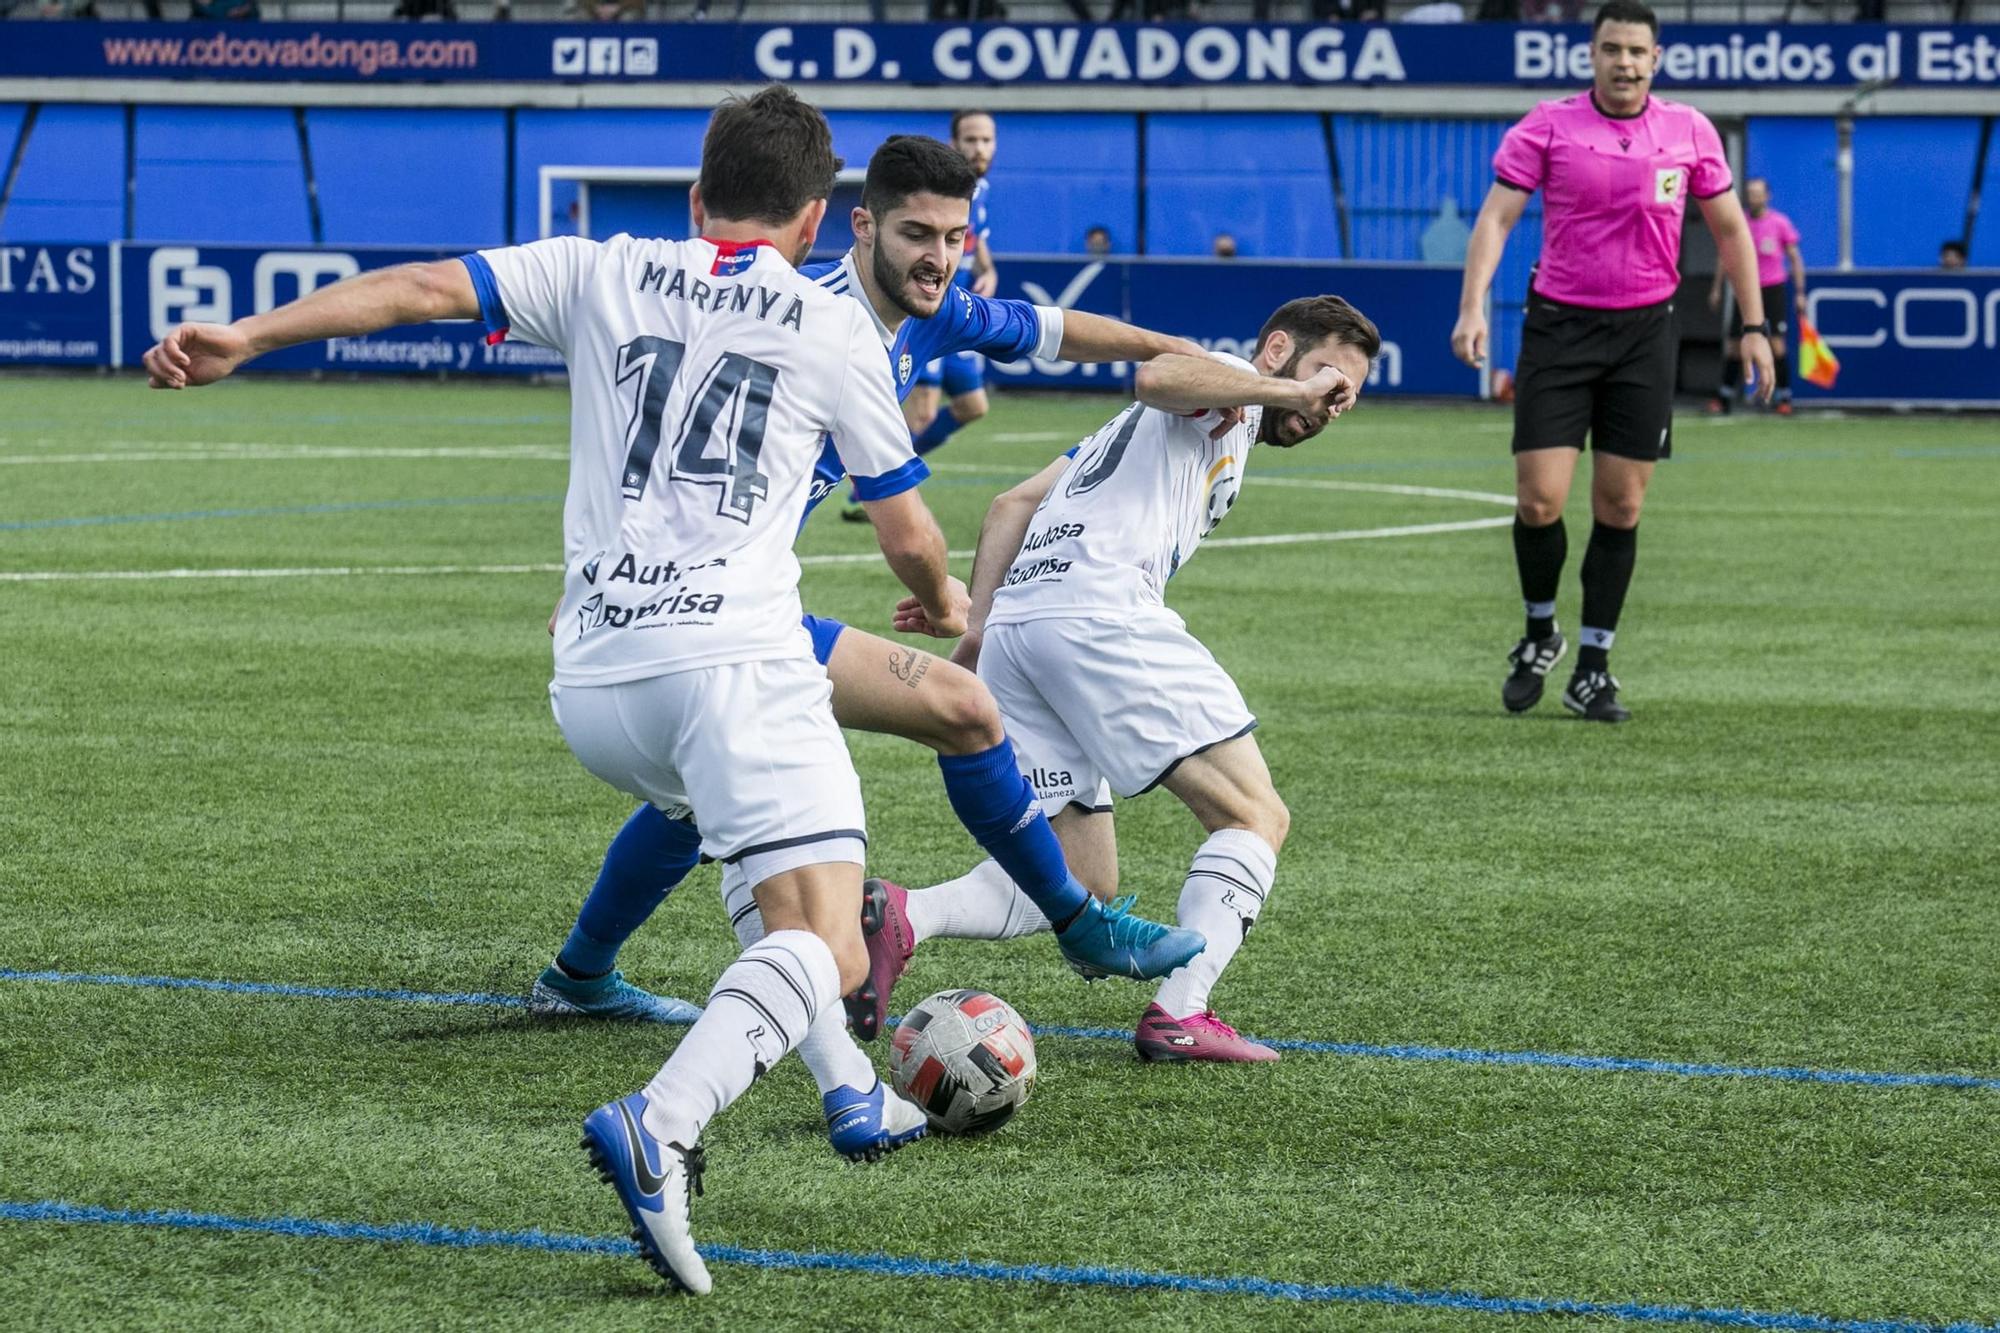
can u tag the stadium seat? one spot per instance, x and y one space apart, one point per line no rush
606 138
1058 174
71 185
211 173
431 177
1262 178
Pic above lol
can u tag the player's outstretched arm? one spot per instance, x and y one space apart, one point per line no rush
197 354
1187 384
1089 338
914 546
1497 216
1738 255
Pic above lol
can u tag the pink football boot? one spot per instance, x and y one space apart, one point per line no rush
1164 1039
885 929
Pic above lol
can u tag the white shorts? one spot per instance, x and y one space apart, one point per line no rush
1100 706
751 748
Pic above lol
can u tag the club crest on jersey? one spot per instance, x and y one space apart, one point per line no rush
1667 185
729 263
904 365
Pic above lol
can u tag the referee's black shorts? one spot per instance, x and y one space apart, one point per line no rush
1777 309
1605 375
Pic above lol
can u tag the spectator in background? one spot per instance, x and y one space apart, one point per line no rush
1952 256
1097 241
1224 245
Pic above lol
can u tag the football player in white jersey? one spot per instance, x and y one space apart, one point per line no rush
705 375
1102 686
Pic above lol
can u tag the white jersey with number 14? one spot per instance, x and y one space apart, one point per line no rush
704 377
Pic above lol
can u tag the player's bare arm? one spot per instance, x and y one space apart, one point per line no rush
1093 338
914 547
1176 383
1797 259
1724 215
1497 216
197 354
1000 535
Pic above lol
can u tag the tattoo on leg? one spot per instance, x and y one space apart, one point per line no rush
909 666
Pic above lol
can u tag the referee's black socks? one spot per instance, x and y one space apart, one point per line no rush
1539 554
1607 573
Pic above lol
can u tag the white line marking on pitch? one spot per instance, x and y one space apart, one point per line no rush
859 558
232 453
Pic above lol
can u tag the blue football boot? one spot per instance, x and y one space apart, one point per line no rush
868 1126
1106 940
654 1181
556 994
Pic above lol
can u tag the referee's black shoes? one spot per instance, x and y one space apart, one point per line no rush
1593 696
1531 661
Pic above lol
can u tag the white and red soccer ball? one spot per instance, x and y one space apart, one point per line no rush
966 1058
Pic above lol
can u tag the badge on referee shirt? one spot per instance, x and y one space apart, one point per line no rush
1667 185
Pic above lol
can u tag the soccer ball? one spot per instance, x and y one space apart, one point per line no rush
966 1058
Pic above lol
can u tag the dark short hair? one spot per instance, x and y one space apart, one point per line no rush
765 157
1626 11
1088 231
959 117
1958 246
910 164
1311 320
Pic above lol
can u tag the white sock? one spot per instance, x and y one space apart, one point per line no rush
829 1049
761 1007
981 904
1225 889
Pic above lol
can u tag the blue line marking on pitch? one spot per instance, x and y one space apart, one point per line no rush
967 1270
274 511
1596 1064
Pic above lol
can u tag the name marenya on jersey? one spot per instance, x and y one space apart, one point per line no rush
744 298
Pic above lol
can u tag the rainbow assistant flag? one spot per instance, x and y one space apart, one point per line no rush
1817 363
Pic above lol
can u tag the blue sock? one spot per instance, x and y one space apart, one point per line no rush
941 428
650 855
996 805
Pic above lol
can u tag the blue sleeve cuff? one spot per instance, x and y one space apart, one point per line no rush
905 478
1073 451
492 311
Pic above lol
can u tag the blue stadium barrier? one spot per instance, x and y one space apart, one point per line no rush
1985 238
212 173
1058 174
1263 178
72 178
596 137
1912 177
1797 158
410 177
1397 176
12 115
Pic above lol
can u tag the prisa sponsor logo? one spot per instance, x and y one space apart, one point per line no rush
598 612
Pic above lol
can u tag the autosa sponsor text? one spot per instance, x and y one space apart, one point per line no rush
1066 53
365 57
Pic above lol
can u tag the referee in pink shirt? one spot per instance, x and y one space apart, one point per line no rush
1615 166
1777 244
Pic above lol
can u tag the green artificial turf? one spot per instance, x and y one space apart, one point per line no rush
1788 858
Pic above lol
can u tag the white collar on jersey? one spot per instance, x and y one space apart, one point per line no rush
854 289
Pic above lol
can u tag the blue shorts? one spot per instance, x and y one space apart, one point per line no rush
823 632
959 373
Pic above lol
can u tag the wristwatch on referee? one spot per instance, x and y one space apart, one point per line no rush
1764 327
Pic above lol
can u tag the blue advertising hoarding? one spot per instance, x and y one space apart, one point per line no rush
55 305
166 285
1907 336
991 54
1222 304
1902 336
